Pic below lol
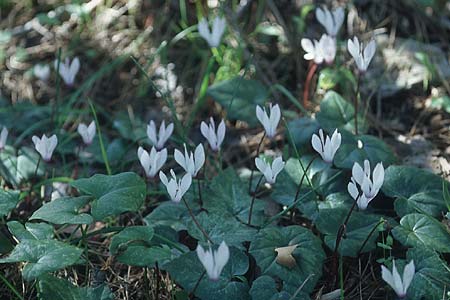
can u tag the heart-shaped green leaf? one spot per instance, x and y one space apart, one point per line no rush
358 229
359 148
417 230
64 211
53 288
133 246
15 168
8 200
308 255
228 197
416 190
336 112
239 98
33 231
113 194
432 275
42 256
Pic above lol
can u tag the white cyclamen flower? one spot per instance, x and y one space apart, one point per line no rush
158 140
362 58
319 51
369 186
68 70
399 284
332 21
152 162
269 123
326 147
209 132
42 72
191 162
214 36
270 172
214 261
45 146
176 189
3 137
87 132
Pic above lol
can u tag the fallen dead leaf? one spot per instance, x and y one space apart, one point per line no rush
284 256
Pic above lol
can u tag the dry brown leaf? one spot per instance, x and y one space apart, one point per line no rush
284 256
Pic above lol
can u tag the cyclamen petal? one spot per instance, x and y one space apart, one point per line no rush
325 146
68 70
3 137
191 162
214 260
270 172
369 184
269 122
176 188
45 146
42 72
153 162
332 21
209 132
214 36
87 132
362 57
398 284
159 140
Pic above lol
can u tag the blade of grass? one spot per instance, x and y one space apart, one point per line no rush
102 147
167 99
202 93
289 96
11 287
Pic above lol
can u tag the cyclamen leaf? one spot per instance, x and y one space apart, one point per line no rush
113 194
417 230
64 211
8 200
43 256
53 288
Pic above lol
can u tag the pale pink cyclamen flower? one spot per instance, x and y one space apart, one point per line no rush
45 146
362 57
399 284
152 162
269 122
325 146
158 140
3 138
320 50
68 70
176 188
214 138
332 21
87 132
270 172
214 36
191 162
214 261
41 71
369 185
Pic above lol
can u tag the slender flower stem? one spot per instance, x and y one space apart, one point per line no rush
303 177
37 166
253 201
196 222
86 252
356 103
192 294
257 155
340 234
312 69
369 235
199 192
